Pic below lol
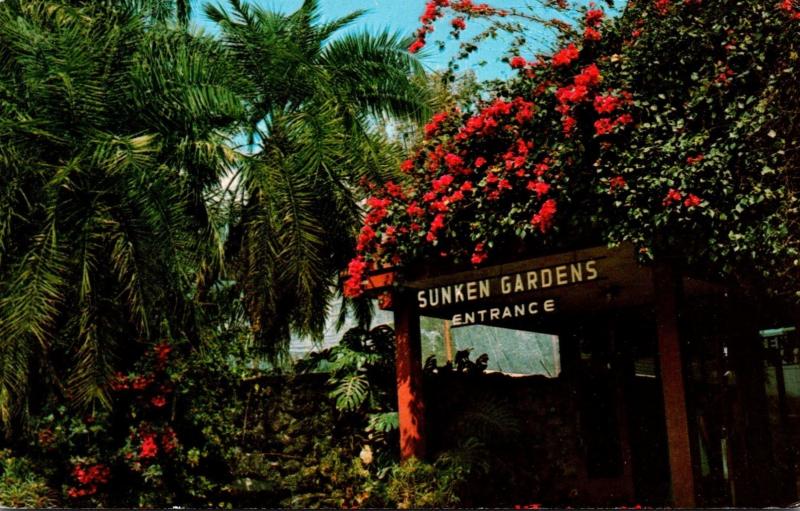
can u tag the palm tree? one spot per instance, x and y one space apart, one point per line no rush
314 99
111 137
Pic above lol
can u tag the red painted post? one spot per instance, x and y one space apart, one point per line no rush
667 290
410 402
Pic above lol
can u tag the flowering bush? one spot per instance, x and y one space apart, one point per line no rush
669 126
167 439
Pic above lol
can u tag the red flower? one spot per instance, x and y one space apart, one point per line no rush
571 94
442 183
149 447
568 124
479 254
438 222
120 382
355 270
542 167
97 473
616 182
791 8
407 166
366 235
603 126
524 110
590 75
606 104
480 161
433 126
692 201
459 23
518 62
394 190
693 160
540 187
591 34
158 401
453 161
414 210
544 218
624 119
141 382
162 351
673 195
416 46
661 6
594 17
565 56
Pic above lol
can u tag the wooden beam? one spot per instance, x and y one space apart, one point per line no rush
410 400
448 342
667 291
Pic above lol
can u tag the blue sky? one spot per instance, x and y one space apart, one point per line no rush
403 16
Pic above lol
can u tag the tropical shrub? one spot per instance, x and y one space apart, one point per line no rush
167 440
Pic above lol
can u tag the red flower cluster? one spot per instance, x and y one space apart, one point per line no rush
692 201
661 6
162 351
725 75
432 128
142 382
355 272
593 20
566 56
88 477
570 95
616 183
606 103
605 125
479 255
544 218
693 160
675 196
518 62
791 7
148 447
123 382
434 10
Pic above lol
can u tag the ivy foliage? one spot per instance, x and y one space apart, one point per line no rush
717 115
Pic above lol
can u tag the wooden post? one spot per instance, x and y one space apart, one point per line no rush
667 289
410 402
448 342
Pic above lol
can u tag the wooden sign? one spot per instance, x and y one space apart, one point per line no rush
532 288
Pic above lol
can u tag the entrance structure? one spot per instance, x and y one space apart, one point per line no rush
704 337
